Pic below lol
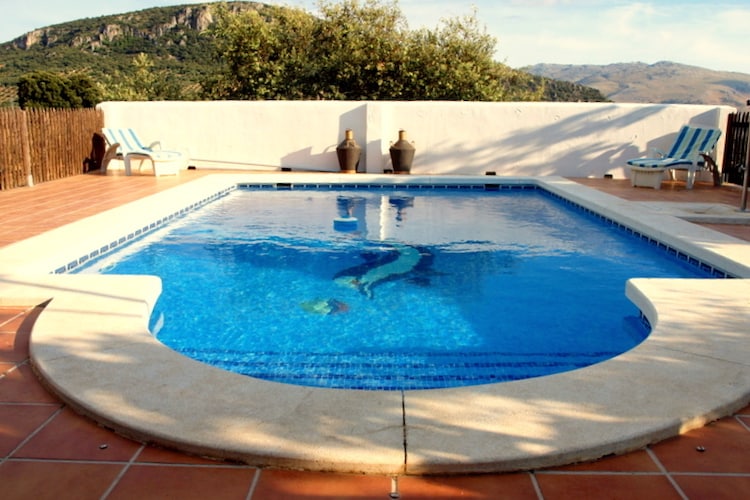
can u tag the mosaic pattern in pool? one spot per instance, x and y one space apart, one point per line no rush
397 288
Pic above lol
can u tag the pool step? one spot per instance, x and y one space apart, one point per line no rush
392 371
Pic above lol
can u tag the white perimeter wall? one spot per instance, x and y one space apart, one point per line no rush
509 138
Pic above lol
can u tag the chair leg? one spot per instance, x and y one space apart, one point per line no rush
646 177
109 155
142 159
690 179
167 168
153 167
126 160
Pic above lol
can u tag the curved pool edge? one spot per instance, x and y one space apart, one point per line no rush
676 380
91 346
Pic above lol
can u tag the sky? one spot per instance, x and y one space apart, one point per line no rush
710 34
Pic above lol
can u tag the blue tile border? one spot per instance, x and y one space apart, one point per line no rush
148 228
674 252
393 370
393 187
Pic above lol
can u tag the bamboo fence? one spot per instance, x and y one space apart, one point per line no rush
40 145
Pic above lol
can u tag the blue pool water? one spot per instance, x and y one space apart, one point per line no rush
394 289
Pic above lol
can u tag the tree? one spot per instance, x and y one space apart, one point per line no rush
559 90
85 90
355 51
42 89
265 54
455 62
141 84
359 52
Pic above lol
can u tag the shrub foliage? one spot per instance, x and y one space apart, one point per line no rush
42 89
356 51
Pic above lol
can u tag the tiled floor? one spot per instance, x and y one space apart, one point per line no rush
674 191
48 451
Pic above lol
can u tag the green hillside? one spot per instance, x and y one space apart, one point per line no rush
175 39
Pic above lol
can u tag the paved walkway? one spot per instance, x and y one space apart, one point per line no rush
48 451
726 199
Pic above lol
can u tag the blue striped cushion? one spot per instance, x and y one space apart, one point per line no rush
662 162
131 145
690 142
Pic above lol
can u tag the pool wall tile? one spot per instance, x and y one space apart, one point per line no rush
133 235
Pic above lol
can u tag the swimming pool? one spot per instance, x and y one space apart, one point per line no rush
395 289
92 346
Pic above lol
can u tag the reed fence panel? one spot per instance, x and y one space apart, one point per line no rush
12 172
40 145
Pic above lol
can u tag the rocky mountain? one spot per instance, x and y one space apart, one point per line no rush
662 82
95 34
174 38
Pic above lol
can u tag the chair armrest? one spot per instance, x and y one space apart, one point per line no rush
701 156
711 166
658 153
155 145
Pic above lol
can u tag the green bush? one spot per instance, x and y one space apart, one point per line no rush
357 51
43 89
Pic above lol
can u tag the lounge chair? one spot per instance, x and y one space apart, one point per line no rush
685 154
124 143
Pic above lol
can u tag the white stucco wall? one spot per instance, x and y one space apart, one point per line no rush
510 138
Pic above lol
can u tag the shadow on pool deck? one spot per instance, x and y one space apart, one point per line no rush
46 450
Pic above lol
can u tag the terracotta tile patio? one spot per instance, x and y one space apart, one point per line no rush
48 451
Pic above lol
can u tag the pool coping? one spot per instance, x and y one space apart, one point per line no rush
91 346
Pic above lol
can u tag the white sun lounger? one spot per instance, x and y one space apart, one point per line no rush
685 154
125 143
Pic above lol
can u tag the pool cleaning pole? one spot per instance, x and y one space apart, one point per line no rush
743 203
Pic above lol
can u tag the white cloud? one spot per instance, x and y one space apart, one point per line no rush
689 32
631 20
733 22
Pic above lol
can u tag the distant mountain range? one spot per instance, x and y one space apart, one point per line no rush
663 82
